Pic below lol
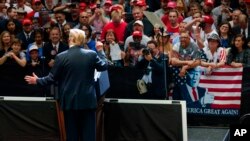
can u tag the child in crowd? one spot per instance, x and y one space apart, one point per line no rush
16 53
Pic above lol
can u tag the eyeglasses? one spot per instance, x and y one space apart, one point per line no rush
84 17
137 38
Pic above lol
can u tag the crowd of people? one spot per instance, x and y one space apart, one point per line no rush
204 33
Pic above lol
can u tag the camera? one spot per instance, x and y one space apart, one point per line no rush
146 51
202 25
136 45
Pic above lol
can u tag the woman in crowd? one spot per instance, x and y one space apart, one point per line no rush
113 50
225 33
65 34
12 68
156 33
164 43
5 46
215 55
90 42
239 54
11 27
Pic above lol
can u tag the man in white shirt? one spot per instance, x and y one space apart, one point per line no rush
137 26
21 4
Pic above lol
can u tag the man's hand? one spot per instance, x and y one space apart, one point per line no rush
148 57
31 79
207 99
236 65
51 63
183 70
208 70
123 54
99 46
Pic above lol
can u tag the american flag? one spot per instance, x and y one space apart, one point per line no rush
225 84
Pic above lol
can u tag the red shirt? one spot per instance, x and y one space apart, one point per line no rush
172 29
118 29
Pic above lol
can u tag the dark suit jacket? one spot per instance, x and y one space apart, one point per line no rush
26 42
74 71
157 88
48 47
187 96
237 30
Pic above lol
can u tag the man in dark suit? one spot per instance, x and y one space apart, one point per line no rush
60 19
27 35
74 70
194 95
54 47
243 26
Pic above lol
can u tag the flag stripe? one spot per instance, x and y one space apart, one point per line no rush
232 94
224 90
226 73
227 98
228 106
228 70
223 102
211 77
221 81
215 85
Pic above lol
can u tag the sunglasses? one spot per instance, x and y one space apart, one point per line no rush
38 3
27 25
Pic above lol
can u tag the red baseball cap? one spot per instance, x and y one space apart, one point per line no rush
208 19
115 8
137 34
172 4
36 1
82 4
209 3
108 2
26 22
92 6
140 3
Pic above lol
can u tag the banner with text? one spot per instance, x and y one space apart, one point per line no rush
218 93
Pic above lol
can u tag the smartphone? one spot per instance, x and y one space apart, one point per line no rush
98 5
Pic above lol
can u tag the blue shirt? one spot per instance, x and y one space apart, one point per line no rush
91 45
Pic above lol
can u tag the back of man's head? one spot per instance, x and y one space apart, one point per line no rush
76 37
